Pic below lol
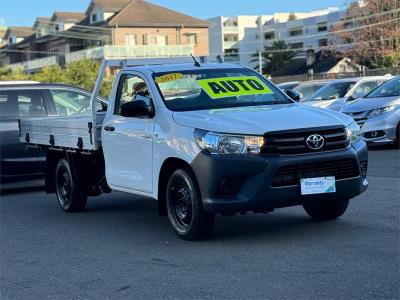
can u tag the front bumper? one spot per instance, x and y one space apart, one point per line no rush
384 125
255 192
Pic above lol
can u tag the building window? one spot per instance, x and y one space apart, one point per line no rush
57 27
130 39
94 18
231 55
159 40
323 42
298 46
269 35
231 37
323 26
191 38
11 40
296 31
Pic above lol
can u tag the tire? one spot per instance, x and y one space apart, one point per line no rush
184 206
326 211
397 140
70 196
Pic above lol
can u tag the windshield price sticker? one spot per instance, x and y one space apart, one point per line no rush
168 77
318 185
233 86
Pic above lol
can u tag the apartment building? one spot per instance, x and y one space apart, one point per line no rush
239 38
131 28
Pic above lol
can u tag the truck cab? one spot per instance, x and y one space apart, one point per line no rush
204 139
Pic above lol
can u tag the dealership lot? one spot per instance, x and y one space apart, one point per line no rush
119 247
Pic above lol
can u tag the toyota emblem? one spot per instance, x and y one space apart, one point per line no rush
315 141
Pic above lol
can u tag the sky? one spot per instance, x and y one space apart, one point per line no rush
24 12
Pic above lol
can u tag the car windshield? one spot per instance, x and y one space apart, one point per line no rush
216 88
333 91
388 89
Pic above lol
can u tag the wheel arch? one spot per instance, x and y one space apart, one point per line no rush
169 165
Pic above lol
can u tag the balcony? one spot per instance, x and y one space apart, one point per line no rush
35 64
108 52
139 51
234 29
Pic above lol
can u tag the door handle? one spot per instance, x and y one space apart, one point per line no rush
109 128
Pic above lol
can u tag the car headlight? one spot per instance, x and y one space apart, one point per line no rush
353 132
381 110
219 143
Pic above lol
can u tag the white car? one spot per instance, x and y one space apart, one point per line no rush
335 94
204 139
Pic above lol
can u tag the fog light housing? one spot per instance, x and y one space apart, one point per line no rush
374 134
364 169
229 186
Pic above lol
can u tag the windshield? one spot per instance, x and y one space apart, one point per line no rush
388 89
333 91
217 88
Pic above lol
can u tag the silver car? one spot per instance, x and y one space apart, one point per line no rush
335 94
378 113
308 88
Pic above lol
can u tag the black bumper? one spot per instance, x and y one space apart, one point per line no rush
254 176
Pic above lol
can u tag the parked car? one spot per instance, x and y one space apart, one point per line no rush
335 94
308 88
204 139
288 85
22 166
378 113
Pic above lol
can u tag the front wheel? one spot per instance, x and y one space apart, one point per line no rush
184 206
70 196
326 210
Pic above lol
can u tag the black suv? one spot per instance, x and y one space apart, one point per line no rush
21 166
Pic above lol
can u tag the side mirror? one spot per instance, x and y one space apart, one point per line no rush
350 98
293 95
139 107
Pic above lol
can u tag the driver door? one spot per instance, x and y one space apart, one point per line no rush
128 141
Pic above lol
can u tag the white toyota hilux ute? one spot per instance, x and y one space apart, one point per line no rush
203 139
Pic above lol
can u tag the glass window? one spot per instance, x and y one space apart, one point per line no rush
216 88
129 88
71 103
333 91
22 104
364 88
389 89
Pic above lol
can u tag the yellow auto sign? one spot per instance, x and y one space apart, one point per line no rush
233 86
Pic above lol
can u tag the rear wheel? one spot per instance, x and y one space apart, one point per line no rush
184 206
325 211
70 195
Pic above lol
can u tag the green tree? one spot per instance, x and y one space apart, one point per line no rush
51 74
275 57
7 73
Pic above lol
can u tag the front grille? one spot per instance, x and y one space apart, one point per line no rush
294 141
359 117
290 175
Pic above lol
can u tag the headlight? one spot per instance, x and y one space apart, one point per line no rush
353 132
381 110
219 143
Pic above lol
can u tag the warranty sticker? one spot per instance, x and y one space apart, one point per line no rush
168 77
234 86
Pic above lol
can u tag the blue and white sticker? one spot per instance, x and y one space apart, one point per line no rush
318 185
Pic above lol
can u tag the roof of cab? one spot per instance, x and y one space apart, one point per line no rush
182 67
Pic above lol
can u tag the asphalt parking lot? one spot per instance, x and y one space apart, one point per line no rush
120 248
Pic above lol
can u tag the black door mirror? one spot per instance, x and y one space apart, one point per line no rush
350 98
140 107
293 95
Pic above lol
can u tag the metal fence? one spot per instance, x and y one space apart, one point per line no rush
306 77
